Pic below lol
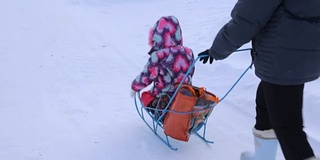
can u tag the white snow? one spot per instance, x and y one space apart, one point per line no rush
66 67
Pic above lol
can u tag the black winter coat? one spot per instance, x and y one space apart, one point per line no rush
285 35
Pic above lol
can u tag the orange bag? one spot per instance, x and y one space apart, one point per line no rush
187 111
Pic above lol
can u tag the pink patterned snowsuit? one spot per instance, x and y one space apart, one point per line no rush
169 60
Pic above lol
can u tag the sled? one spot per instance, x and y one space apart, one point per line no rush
153 117
157 121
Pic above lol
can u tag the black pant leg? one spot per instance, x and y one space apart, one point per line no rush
284 104
262 115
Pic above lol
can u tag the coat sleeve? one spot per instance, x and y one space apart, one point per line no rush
149 73
248 17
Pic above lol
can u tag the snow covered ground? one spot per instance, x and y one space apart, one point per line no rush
66 67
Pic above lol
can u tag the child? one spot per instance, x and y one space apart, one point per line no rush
168 63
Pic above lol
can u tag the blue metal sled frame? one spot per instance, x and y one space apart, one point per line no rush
156 122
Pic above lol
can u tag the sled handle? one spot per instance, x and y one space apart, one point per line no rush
192 65
250 66
190 69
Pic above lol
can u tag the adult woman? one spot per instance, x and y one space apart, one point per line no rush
285 37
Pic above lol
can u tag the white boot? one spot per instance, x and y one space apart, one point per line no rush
266 144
